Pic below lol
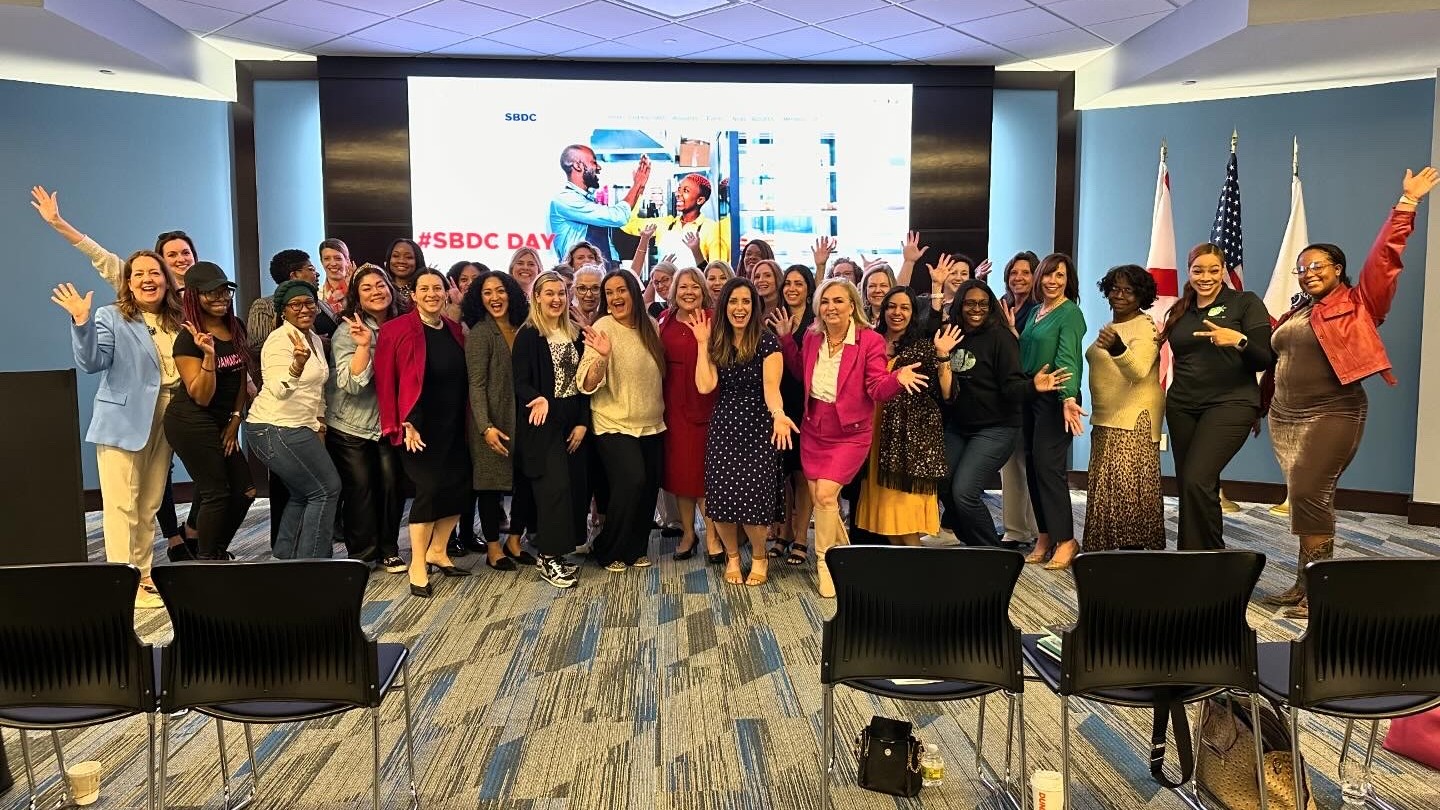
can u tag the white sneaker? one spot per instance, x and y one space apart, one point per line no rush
551 571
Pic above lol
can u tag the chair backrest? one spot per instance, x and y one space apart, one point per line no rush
285 630
67 637
934 613
1150 619
1374 630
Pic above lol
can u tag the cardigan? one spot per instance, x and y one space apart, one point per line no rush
492 403
534 374
864 379
400 369
1122 385
350 403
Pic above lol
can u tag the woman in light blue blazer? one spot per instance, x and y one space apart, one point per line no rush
130 345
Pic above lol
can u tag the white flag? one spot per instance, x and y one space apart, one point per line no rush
1284 284
1161 264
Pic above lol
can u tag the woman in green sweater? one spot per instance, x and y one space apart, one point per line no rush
1053 336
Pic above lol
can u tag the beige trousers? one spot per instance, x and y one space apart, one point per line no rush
1017 513
132 484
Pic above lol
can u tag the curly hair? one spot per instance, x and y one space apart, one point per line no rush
472 305
1141 283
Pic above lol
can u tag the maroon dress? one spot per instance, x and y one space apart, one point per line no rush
687 411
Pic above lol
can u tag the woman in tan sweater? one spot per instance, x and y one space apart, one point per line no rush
1124 508
624 377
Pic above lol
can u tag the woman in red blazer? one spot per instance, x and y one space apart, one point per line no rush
423 392
842 363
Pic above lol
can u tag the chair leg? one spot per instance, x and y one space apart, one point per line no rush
254 764
164 758
29 770
827 741
1009 737
980 740
224 763
1299 764
1065 752
1024 763
409 736
150 760
375 776
65 799
1264 792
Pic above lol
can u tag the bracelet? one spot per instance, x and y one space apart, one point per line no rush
234 414
942 358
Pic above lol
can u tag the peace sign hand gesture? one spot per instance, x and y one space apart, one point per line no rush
1009 313
359 332
1219 335
204 341
300 349
73 302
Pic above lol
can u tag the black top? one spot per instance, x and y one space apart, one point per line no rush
445 391
534 370
792 388
229 376
1022 315
987 386
1206 375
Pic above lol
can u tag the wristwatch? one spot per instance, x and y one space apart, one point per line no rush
1244 341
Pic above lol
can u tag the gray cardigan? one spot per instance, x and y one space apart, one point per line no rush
492 403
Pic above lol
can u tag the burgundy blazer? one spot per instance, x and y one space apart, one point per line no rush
864 378
400 369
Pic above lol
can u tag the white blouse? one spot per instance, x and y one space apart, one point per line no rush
825 379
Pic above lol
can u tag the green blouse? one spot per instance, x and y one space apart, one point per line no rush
1057 341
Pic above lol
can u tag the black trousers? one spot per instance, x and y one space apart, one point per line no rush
561 494
169 523
1047 467
522 507
633 465
1205 441
222 483
371 497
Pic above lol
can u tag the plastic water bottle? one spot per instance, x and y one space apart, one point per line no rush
932 766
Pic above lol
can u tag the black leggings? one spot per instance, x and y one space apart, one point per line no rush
370 494
1047 467
632 463
169 523
223 487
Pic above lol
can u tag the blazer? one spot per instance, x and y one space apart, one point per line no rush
534 374
400 369
492 403
128 363
864 378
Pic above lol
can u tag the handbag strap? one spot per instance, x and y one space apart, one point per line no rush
1170 711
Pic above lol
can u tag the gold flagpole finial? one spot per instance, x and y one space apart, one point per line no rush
1295 158
1234 140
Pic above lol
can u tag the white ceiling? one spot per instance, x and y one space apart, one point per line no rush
1025 34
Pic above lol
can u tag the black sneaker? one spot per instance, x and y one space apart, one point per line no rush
552 571
393 564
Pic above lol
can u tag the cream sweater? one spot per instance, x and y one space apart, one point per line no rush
629 398
1121 387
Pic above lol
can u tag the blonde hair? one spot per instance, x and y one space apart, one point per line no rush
723 265
857 304
694 274
171 313
537 317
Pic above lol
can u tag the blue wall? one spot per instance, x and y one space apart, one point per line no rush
1022 175
288 176
127 167
1355 145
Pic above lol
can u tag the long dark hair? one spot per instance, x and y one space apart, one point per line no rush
352 293
643 324
807 311
472 306
1027 256
723 351
1188 295
1050 264
419 258
993 320
912 332
195 316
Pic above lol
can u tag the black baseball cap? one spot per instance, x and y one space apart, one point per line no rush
206 277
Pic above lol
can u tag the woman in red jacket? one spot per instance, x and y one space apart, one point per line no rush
1324 347
843 366
423 392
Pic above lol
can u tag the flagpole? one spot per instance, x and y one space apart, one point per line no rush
1164 150
1234 140
1295 158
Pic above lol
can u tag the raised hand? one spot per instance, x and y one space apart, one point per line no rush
413 443
940 272
1219 335
823 247
982 272
203 341
539 409
597 341
668 258
1073 414
866 264
495 439
699 324
781 431
66 297
947 339
572 442
1047 380
911 248
691 239
47 204
912 380
642 171
1416 186
1107 336
648 232
781 321
300 349
359 332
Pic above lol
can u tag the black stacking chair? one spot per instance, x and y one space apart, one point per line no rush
275 642
69 656
1371 650
940 614
1151 623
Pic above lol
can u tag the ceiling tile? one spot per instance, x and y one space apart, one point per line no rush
673 40
542 37
607 50
603 19
949 11
803 42
528 8
467 18
412 35
275 33
1117 31
1088 12
389 8
484 47
882 23
1057 43
1017 24
813 11
355 46
928 43
980 54
856 53
193 16
742 23
242 6
676 8
734 53
1072 61
321 16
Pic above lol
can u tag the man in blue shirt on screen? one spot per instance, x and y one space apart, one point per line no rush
575 216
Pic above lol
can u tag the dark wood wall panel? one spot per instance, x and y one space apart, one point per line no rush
365 151
950 171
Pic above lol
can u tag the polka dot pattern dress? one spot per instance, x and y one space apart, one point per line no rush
743 474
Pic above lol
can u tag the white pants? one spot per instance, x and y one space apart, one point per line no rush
1017 512
132 485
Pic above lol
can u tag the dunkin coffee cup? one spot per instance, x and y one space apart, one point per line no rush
1048 789
84 780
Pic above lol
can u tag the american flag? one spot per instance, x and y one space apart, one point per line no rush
1226 231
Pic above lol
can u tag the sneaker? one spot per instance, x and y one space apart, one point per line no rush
567 566
643 562
144 600
616 566
551 571
393 564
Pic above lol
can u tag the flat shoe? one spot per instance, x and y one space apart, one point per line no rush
502 564
523 557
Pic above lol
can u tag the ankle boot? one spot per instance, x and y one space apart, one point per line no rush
829 532
1295 595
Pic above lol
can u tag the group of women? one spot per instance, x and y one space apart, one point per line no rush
759 400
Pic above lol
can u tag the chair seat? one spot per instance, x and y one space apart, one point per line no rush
1274 664
940 690
391 657
1049 671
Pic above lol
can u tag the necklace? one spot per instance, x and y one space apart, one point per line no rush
435 324
1046 309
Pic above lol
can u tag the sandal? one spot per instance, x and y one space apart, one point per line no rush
732 569
758 575
778 546
799 553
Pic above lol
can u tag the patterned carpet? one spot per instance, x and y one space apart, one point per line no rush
667 688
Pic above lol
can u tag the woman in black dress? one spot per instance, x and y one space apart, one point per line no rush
796 291
423 390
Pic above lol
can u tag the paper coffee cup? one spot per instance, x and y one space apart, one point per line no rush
1048 790
84 779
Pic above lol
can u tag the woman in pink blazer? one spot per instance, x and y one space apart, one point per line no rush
842 363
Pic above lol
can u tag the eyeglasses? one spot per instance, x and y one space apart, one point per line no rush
975 305
1122 291
1312 267
301 306
219 293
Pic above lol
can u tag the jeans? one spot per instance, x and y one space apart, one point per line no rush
298 457
974 458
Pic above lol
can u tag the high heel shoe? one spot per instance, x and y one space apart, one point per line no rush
686 553
422 591
1039 555
1057 564
448 570
716 558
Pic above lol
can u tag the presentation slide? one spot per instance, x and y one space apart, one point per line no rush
500 164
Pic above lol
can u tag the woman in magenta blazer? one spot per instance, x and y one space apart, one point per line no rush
423 392
843 366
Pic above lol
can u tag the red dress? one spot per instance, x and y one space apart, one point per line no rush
687 411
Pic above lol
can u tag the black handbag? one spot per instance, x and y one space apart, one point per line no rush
887 758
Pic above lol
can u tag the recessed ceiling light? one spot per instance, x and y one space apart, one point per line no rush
668 41
107 71
1188 81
